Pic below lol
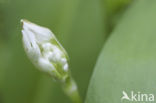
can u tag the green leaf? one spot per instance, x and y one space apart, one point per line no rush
128 59
113 6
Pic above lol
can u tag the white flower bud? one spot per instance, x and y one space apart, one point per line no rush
44 50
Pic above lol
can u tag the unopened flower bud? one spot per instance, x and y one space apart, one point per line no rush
44 50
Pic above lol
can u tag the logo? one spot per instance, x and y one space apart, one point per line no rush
137 96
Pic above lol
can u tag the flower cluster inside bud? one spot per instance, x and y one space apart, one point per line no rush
53 54
47 56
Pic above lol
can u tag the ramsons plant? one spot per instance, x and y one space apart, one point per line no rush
48 55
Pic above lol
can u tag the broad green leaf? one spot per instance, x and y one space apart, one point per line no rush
127 61
113 6
113 10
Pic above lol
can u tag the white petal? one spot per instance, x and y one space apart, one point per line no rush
65 67
47 46
45 65
63 61
48 55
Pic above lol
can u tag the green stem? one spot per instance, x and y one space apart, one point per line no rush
70 88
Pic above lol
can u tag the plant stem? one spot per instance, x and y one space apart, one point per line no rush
70 88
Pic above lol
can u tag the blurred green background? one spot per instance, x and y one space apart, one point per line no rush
82 26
